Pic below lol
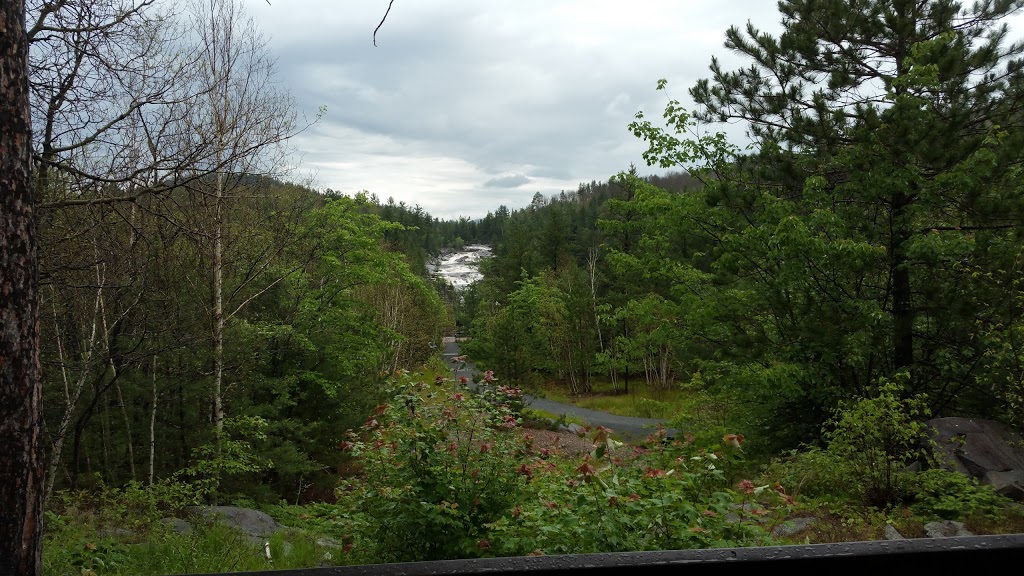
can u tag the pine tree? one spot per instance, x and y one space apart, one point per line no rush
872 228
21 449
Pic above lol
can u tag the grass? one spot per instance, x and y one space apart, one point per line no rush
642 401
536 415
207 549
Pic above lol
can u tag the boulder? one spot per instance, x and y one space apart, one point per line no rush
989 451
115 532
891 533
792 526
253 523
326 542
1009 483
176 525
945 529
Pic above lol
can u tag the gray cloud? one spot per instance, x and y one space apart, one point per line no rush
513 181
463 93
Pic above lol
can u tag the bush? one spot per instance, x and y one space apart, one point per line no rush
209 548
879 436
952 496
814 473
133 506
663 498
439 465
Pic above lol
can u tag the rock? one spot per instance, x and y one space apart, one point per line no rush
177 525
575 429
915 466
746 508
792 526
326 542
1009 483
113 532
891 533
253 523
983 449
945 529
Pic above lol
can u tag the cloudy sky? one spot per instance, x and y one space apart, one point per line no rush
465 105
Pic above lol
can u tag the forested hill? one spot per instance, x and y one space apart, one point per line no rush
574 213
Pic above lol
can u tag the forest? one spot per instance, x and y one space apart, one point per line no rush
791 309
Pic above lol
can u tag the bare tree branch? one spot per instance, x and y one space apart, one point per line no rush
381 23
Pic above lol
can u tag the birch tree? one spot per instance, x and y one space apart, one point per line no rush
249 121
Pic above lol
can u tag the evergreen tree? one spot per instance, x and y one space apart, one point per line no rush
864 234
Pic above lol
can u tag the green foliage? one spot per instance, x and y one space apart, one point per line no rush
134 506
664 498
951 495
815 473
869 229
103 558
1003 336
547 325
879 436
649 408
438 464
444 474
317 306
210 548
544 420
231 454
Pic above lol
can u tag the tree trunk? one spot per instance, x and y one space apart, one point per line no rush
218 314
592 275
152 428
902 306
21 430
71 394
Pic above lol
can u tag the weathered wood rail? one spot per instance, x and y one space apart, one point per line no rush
970 553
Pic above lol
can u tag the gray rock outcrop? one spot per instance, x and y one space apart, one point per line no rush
176 525
792 526
253 523
983 449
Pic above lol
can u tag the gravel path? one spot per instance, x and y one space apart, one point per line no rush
629 427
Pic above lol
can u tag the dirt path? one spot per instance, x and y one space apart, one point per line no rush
629 427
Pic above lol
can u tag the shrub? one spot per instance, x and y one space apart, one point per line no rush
814 473
666 497
879 436
439 465
133 506
952 496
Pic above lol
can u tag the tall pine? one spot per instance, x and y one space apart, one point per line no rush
875 226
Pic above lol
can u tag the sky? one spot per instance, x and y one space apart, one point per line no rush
465 105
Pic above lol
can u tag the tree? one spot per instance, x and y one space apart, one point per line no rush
858 237
247 120
146 141
21 448
112 82
947 78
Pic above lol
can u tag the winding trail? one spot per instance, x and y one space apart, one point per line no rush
628 426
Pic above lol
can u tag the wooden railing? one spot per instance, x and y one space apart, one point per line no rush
971 554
